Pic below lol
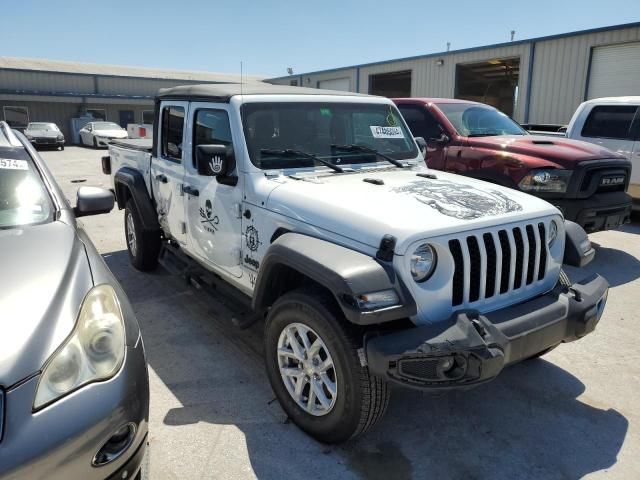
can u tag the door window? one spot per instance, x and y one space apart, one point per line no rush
172 132
211 128
610 121
16 117
421 122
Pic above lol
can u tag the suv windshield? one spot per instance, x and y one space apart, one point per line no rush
473 120
23 197
318 128
42 126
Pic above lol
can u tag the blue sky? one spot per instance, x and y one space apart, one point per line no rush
271 35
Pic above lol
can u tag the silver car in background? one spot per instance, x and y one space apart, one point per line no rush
44 134
74 390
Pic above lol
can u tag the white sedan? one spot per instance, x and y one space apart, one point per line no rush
98 134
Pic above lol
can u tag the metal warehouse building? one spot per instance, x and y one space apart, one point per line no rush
55 91
540 80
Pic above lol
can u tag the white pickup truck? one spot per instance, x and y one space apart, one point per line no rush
366 266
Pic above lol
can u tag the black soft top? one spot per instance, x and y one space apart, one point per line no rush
222 92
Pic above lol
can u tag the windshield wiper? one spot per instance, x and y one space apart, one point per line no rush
299 153
485 134
363 148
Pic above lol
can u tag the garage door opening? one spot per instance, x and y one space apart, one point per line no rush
395 84
494 82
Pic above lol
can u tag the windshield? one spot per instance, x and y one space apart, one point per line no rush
42 126
23 197
318 128
106 126
473 120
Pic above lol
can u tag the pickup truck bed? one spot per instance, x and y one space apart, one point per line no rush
141 144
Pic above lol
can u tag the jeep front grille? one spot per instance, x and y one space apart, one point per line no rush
495 263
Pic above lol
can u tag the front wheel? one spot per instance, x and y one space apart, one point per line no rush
143 246
315 371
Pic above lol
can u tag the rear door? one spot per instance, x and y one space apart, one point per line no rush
212 208
167 169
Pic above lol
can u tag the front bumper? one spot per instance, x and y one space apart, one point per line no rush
470 349
603 211
46 142
61 440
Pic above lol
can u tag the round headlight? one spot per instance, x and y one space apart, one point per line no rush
423 262
553 232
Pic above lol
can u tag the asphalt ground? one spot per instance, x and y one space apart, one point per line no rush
573 414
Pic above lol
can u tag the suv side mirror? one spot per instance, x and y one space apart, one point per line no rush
93 201
215 160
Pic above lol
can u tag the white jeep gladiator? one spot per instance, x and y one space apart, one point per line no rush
366 266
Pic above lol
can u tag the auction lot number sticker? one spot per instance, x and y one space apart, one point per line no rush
386 132
11 164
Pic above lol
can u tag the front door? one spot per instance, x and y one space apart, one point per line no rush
126 117
422 124
167 169
212 208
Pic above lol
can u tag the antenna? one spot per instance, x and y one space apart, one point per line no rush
513 34
448 46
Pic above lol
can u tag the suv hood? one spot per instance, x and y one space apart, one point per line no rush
45 276
565 153
407 206
43 133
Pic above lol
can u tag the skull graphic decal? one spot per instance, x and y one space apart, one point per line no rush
465 202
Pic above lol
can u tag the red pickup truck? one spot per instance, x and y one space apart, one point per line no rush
586 182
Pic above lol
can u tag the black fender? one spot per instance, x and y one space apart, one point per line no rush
344 272
129 183
578 251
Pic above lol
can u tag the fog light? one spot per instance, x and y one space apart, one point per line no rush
119 442
452 368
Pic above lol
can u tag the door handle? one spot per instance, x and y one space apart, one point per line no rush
190 191
162 178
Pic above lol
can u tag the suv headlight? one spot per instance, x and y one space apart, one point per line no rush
423 262
549 180
94 351
60 137
553 232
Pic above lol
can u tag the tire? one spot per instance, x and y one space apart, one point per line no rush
143 247
95 143
61 148
81 141
360 398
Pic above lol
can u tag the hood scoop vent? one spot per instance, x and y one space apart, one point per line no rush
542 142
374 181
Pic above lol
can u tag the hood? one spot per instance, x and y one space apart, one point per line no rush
111 133
45 276
407 206
565 153
43 133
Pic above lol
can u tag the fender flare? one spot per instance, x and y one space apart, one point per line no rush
129 183
344 272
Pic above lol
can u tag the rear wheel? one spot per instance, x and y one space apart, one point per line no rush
143 246
315 371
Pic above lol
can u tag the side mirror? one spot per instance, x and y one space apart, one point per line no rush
93 201
422 145
440 141
215 160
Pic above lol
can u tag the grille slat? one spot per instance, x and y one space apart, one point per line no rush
490 264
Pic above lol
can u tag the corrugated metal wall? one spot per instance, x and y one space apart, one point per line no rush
61 112
558 80
560 73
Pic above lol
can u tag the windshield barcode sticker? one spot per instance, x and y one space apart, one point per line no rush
386 132
11 164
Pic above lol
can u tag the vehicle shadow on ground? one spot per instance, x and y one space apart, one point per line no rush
529 423
617 266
